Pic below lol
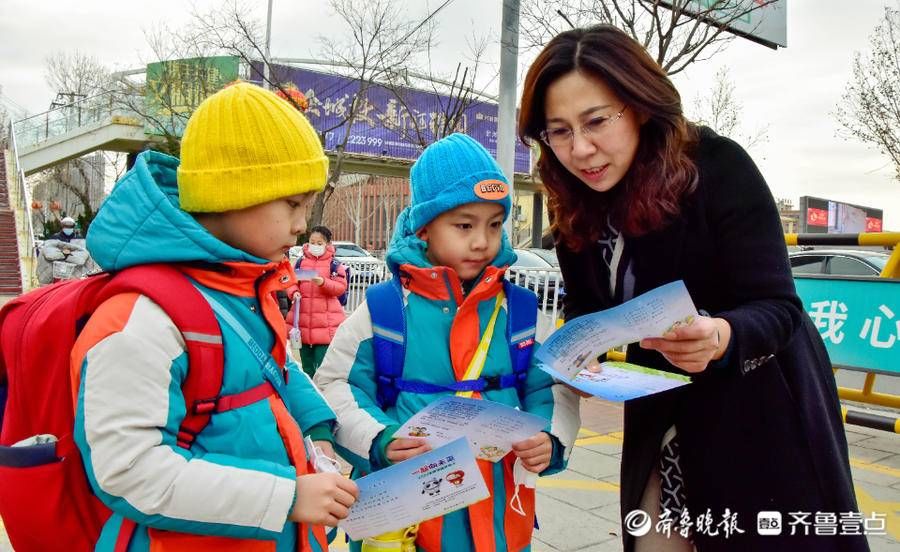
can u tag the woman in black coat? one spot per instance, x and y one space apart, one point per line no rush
641 197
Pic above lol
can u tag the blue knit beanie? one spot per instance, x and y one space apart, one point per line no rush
451 172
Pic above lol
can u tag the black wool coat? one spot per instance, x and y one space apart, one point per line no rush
760 429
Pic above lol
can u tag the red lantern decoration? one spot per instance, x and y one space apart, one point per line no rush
55 205
293 95
37 205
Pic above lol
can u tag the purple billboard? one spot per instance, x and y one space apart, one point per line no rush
390 122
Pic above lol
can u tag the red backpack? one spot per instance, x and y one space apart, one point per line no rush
46 501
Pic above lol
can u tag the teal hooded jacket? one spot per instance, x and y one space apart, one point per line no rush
445 320
237 481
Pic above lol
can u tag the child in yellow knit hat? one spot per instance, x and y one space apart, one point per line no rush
224 215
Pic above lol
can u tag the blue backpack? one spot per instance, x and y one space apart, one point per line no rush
334 271
386 308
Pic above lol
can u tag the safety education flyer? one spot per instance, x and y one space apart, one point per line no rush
490 427
621 381
421 488
305 273
569 349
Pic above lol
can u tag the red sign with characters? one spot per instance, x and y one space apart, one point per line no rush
817 217
873 224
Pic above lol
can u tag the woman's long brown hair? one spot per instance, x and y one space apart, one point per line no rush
662 172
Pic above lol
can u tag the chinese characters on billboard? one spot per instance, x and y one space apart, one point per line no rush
391 122
824 216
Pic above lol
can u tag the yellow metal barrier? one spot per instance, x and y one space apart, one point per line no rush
866 395
884 239
874 421
891 270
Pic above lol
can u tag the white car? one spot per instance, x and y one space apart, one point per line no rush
838 262
529 271
365 268
343 250
347 250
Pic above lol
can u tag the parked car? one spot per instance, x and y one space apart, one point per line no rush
531 271
548 255
349 250
365 269
838 262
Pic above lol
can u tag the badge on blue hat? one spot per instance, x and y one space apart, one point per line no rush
451 172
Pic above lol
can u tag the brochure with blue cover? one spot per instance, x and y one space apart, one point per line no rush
621 381
430 485
570 349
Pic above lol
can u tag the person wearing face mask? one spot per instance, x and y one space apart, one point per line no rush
316 305
68 232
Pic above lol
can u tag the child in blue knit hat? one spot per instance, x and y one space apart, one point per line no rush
448 257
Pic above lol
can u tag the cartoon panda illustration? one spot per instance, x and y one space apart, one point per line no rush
432 486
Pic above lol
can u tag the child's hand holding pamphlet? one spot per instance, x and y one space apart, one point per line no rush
490 427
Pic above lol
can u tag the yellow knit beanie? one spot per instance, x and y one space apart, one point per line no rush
244 146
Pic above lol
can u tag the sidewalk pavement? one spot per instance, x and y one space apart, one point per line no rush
578 509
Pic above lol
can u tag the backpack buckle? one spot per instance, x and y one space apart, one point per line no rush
491 383
185 437
205 406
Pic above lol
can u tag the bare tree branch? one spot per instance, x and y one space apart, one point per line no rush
721 111
677 33
76 73
870 108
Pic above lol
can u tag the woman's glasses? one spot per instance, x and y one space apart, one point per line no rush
562 137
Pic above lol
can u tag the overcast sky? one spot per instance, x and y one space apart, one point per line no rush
792 91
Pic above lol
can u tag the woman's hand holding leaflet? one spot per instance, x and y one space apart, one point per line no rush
694 346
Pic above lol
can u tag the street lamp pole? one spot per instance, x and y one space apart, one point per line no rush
506 122
268 47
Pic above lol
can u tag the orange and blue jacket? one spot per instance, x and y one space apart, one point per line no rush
444 326
234 488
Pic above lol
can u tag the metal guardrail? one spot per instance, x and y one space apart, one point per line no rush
22 212
61 120
546 283
362 275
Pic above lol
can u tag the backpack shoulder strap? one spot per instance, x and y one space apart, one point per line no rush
522 306
385 302
192 314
